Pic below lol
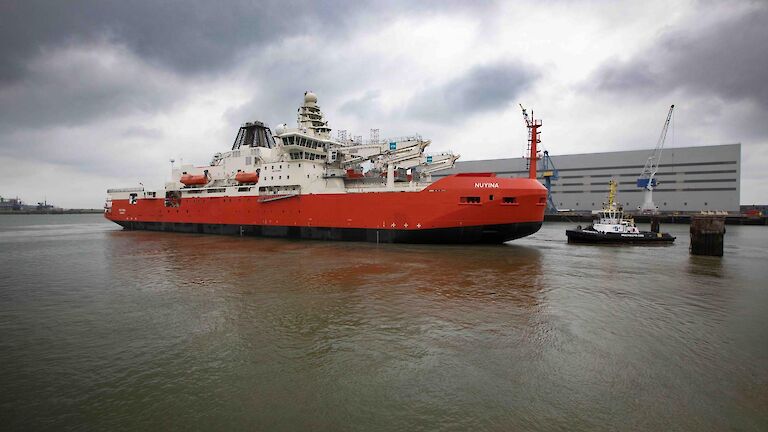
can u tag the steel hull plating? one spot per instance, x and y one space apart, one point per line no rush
455 209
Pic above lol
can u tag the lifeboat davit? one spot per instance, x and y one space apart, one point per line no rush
194 179
247 177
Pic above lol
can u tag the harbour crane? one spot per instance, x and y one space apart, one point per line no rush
647 179
549 172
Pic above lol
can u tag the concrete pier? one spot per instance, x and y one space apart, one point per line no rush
707 232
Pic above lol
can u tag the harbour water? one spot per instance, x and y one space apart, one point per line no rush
104 329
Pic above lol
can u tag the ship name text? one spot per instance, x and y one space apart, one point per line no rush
487 185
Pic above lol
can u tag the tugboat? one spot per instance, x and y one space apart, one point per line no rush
611 226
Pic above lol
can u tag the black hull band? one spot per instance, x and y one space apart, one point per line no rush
582 236
484 234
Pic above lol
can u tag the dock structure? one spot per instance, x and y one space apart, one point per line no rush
707 234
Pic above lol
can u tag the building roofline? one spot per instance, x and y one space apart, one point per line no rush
608 152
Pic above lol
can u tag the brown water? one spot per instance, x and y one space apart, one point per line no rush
116 330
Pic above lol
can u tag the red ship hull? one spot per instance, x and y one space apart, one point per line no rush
475 208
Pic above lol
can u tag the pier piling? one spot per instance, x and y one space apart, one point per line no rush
707 232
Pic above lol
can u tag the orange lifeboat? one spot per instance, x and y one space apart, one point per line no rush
194 180
247 177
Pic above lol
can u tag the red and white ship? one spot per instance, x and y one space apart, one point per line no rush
301 183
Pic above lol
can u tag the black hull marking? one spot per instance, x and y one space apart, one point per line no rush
483 234
580 236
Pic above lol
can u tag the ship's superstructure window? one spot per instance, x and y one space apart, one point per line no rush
470 200
132 198
512 200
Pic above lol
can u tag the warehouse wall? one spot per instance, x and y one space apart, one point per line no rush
690 178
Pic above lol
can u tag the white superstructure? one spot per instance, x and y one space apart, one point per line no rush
303 160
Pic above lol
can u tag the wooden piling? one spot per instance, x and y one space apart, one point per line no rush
707 232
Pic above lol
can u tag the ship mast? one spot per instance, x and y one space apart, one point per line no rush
611 193
533 140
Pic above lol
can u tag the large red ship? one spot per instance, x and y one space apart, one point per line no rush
301 183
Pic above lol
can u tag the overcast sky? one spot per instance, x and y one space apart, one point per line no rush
98 94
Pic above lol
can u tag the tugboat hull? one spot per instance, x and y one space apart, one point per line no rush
595 237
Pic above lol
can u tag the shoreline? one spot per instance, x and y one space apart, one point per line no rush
52 212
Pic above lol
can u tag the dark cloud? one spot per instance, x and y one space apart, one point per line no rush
481 89
79 84
189 36
78 61
728 60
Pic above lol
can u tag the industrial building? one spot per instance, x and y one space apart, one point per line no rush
690 179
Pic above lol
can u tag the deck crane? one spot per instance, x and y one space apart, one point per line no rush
389 156
647 179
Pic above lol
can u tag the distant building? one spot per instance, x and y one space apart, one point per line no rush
690 179
16 204
9 204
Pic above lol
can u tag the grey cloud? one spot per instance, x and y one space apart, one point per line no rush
280 83
481 89
187 36
141 132
365 106
79 84
170 42
728 60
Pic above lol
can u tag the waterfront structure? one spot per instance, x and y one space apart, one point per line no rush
10 204
690 179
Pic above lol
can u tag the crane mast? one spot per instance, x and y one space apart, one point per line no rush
647 179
